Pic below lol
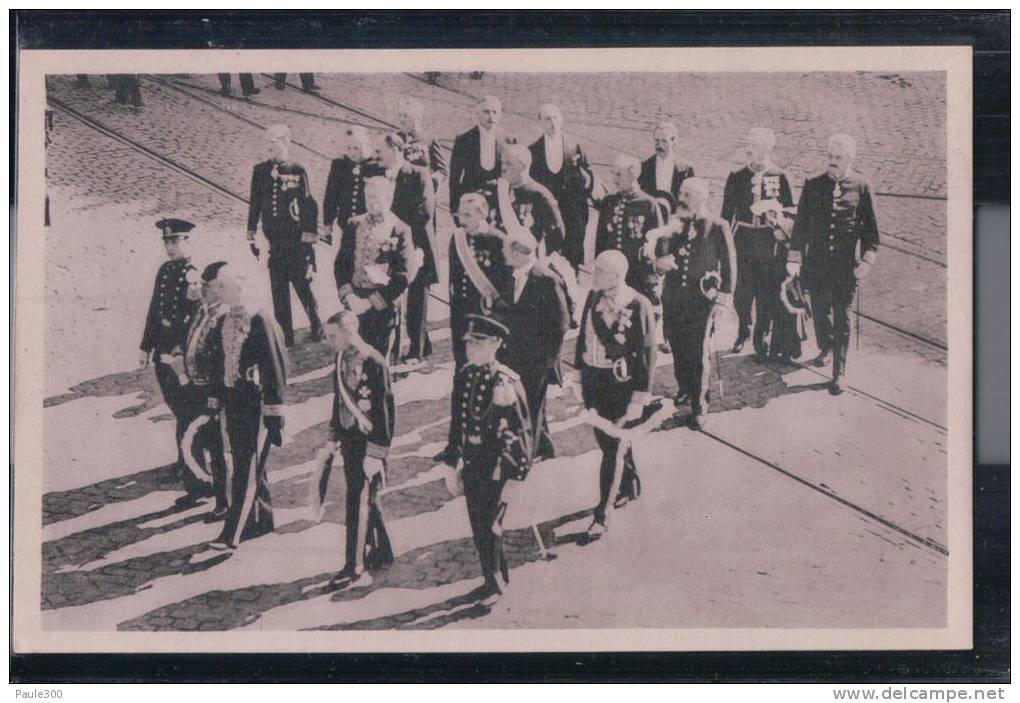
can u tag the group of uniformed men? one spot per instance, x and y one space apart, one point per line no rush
664 269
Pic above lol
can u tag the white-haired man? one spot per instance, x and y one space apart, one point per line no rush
695 254
281 198
835 238
754 238
345 187
664 172
372 264
625 217
254 386
616 358
519 200
561 166
476 153
420 149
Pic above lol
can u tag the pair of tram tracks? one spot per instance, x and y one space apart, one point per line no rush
190 173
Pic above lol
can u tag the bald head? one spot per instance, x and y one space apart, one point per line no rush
358 143
223 284
841 150
693 196
625 170
610 270
551 118
278 141
516 162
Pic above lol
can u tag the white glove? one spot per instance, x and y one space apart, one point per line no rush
356 304
793 269
665 263
454 479
372 467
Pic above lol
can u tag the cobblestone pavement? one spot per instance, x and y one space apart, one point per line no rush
115 544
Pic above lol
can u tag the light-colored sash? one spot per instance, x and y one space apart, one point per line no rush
471 267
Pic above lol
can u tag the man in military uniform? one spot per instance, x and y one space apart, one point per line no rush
624 218
616 358
171 310
203 364
664 172
254 384
835 237
361 429
414 204
695 253
754 238
420 149
281 199
372 265
518 199
495 445
479 280
475 159
345 187
538 319
561 166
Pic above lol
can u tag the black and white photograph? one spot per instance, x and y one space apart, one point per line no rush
565 349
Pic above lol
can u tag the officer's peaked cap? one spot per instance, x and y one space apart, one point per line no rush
482 326
172 226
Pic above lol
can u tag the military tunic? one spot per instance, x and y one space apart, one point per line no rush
466 299
758 251
254 381
496 439
203 363
166 330
624 219
373 264
835 219
535 208
703 246
616 357
414 204
281 199
362 389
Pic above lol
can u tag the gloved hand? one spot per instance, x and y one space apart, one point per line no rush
372 467
454 479
213 403
665 263
274 428
793 269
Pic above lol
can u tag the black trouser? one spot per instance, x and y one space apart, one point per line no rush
454 438
376 328
367 542
417 317
831 306
573 237
207 441
288 269
535 379
178 399
689 340
755 288
617 473
251 512
247 82
307 80
785 341
126 89
485 506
